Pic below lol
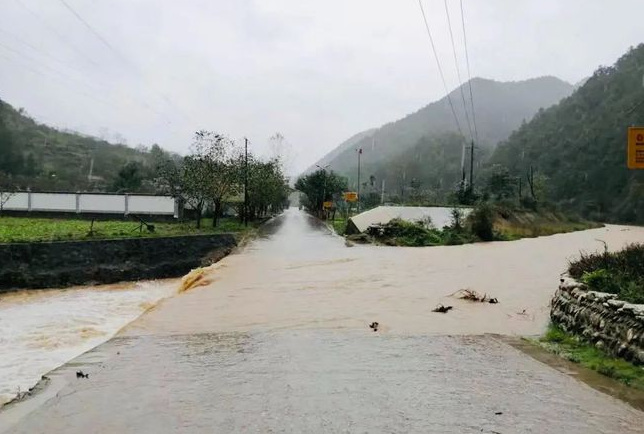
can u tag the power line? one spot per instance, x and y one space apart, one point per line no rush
116 52
440 69
469 76
458 71
56 32
60 82
70 78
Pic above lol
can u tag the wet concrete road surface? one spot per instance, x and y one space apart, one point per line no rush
322 381
278 342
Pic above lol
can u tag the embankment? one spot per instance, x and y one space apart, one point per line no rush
610 324
66 263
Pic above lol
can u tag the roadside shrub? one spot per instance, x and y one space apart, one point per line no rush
618 273
481 221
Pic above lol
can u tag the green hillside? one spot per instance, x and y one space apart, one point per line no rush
578 147
37 156
500 107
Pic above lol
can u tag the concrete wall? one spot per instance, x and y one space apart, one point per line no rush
600 319
67 263
92 203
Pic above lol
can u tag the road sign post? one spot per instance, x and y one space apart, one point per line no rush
636 148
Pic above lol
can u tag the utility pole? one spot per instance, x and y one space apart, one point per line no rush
324 188
382 193
463 166
359 154
472 167
245 181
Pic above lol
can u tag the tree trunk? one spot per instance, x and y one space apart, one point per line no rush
216 212
199 209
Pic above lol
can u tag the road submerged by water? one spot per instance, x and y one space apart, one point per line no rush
278 341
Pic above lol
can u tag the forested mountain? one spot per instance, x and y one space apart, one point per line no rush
578 146
500 107
34 155
347 145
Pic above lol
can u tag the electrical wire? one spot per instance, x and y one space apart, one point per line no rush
469 76
116 52
458 70
440 69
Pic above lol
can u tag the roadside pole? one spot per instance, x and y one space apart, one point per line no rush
472 167
359 154
245 181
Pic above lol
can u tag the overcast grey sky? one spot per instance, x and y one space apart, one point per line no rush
316 71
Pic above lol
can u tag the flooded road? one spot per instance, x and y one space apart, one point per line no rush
277 341
304 277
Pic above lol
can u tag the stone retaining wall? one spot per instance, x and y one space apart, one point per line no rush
66 263
601 319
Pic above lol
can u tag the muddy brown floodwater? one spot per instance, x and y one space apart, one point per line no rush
278 341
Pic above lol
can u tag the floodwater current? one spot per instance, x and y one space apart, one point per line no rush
277 340
40 330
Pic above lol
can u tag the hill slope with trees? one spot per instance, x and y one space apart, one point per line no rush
500 107
578 147
40 157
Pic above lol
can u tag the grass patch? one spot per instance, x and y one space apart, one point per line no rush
576 350
339 225
21 230
512 229
618 273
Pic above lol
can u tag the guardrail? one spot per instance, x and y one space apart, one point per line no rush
92 203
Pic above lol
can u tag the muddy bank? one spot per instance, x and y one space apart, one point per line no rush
67 263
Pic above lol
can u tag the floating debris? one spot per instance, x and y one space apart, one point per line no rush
442 309
81 374
471 295
374 326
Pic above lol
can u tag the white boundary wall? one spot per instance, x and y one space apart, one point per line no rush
94 203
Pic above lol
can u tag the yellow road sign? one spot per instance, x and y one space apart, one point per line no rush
351 196
327 205
636 148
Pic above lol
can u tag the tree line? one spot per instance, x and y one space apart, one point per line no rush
215 175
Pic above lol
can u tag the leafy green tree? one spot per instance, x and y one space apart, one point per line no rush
320 186
500 184
129 177
481 220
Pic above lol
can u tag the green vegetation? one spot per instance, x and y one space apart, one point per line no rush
211 178
18 229
574 349
44 158
319 187
618 273
415 234
486 222
579 145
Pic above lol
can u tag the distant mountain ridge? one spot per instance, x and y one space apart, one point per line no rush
500 108
344 146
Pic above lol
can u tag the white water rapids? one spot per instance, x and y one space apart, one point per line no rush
41 330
